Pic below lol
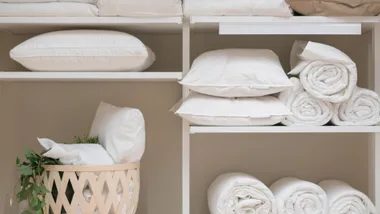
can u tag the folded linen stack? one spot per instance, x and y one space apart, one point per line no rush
327 76
233 87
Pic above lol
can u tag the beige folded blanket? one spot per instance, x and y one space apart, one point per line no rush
336 7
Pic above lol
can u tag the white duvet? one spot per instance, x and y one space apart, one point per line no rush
325 72
306 109
239 193
295 196
361 109
344 199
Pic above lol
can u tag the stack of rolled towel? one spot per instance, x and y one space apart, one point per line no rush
325 89
239 193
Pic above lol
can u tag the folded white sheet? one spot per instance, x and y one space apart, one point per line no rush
344 199
53 9
362 109
295 196
239 193
306 109
325 72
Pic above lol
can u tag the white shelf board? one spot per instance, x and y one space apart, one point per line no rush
285 129
299 25
90 76
45 24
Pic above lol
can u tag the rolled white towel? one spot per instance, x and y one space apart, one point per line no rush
325 72
345 199
295 196
362 109
239 193
306 109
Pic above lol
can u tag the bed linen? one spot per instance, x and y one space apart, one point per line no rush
336 7
52 9
295 196
324 71
239 193
362 109
306 109
344 199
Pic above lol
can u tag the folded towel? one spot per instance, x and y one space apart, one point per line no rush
295 196
362 109
325 72
345 199
239 193
306 109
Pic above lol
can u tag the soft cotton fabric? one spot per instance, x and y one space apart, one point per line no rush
325 72
202 109
362 109
306 109
237 8
76 154
140 8
83 50
344 199
47 1
336 7
237 73
52 9
239 193
121 131
295 196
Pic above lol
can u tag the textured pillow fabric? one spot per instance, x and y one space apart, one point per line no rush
237 73
47 1
201 109
236 8
53 9
83 50
121 131
336 7
140 8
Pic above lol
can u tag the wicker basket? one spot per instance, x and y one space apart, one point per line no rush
92 189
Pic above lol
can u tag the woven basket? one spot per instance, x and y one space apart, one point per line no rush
92 189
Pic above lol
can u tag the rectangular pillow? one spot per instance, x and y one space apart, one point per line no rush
201 109
237 73
48 1
54 9
140 8
236 8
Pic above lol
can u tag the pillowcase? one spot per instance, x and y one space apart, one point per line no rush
53 9
83 50
237 8
121 131
237 73
76 154
48 1
140 8
201 109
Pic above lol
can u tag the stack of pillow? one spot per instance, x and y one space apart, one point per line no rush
233 87
82 51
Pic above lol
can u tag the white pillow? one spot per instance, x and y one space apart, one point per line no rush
53 9
121 131
48 1
76 154
83 50
216 111
237 8
237 73
140 8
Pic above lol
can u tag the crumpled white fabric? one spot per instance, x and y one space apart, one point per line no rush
295 196
362 109
306 109
345 199
325 72
239 193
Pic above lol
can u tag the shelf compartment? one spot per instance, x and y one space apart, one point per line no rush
46 24
90 76
312 25
284 129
